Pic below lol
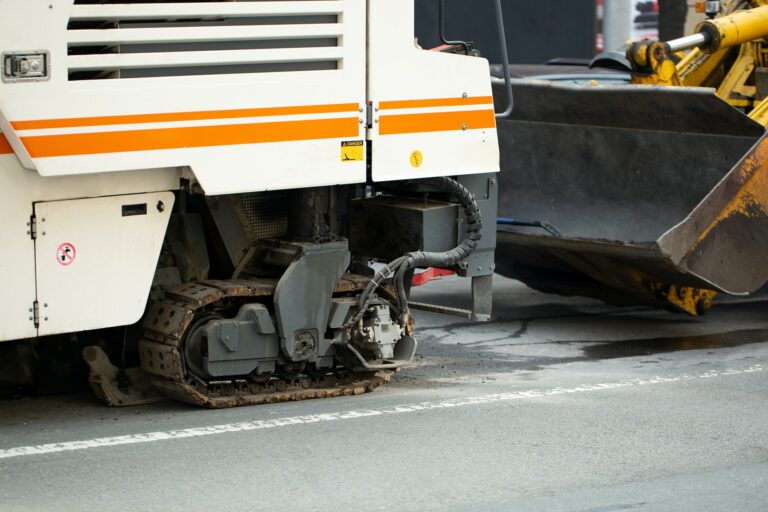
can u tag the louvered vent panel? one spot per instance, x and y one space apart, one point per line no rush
145 38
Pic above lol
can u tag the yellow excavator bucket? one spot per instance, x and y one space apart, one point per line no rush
632 194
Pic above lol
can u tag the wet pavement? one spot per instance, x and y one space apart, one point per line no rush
559 404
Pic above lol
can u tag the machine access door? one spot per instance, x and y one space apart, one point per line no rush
96 259
17 268
432 113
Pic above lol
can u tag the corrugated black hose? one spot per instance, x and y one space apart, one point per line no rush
403 264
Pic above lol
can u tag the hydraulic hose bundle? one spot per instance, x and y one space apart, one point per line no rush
400 266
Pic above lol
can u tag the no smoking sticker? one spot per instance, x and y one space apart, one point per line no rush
66 254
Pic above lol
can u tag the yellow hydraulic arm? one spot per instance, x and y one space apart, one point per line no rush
726 53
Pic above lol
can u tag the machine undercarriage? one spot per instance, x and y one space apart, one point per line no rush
290 313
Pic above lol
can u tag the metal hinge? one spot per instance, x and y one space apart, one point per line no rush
32 227
369 116
35 314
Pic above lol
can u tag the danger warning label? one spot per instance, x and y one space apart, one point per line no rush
352 151
66 254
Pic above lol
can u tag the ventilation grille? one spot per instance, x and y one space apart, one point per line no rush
144 38
266 214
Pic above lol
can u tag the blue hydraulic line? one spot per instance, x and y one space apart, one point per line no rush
552 230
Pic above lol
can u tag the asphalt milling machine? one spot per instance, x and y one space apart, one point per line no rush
204 188
654 192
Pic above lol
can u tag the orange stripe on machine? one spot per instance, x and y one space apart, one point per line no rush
191 137
442 102
5 147
183 116
437 122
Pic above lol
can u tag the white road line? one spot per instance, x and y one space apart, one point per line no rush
150 437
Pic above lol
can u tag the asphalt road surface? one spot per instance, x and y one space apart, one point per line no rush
560 404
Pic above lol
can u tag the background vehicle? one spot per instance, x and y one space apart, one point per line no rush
656 190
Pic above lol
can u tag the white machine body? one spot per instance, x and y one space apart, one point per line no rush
106 107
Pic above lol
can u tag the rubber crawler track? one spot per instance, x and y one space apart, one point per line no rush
167 321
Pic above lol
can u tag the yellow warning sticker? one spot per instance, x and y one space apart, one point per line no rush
352 151
417 158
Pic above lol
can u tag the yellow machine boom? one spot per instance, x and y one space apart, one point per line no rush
726 54
734 29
